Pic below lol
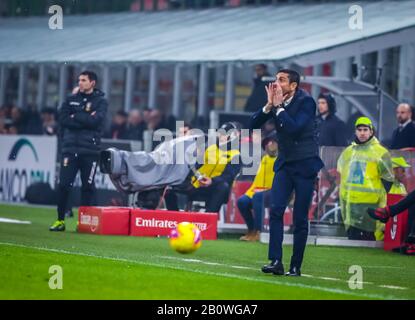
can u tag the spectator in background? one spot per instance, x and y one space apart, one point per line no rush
25 121
332 131
3 120
49 124
258 95
404 135
17 118
170 122
268 128
33 122
250 205
136 125
186 130
12 129
2 126
146 115
118 128
156 120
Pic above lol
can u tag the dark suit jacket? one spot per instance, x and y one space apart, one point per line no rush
301 129
405 138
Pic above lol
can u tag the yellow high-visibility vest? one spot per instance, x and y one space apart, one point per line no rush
398 188
215 162
362 166
264 176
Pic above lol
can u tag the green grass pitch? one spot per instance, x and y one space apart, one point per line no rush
115 267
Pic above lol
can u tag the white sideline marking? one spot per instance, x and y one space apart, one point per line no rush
303 275
330 279
218 274
6 220
393 287
241 267
384 267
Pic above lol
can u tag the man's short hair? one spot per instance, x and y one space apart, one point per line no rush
293 76
92 76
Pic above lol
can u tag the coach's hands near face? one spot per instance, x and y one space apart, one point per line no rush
275 96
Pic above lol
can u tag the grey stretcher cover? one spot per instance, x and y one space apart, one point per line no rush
168 165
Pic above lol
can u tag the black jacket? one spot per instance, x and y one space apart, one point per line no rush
332 131
404 138
258 96
82 118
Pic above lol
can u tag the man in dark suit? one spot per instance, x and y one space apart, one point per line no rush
294 113
404 135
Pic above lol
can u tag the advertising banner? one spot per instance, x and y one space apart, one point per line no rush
161 222
25 160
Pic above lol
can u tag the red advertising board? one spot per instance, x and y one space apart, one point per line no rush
396 228
161 222
104 220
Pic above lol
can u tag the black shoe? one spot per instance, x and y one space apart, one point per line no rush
274 267
294 272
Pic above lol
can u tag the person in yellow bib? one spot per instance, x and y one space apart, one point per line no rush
250 205
362 167
213 179
399 165
382 215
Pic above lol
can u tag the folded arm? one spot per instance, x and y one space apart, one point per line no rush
66 119
95 119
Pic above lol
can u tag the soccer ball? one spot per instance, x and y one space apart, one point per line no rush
185 238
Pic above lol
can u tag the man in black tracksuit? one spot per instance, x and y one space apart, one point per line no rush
81 117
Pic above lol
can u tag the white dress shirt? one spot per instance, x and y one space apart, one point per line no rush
281 109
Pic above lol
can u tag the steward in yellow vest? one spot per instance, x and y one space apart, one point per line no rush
250 205
362 166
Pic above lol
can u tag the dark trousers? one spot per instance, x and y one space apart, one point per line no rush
251 210
285 182
70 165
215 195
404 204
